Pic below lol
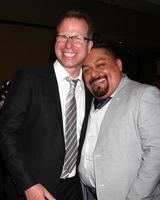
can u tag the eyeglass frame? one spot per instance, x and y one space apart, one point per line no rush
66 37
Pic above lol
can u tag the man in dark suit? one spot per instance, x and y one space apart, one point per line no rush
32 136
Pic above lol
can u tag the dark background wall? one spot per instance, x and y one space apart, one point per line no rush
27 30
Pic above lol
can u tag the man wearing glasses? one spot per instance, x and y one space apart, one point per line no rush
39 153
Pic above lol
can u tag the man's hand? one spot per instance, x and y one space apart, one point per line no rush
2 101
38 192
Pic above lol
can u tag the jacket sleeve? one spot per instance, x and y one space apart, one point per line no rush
11 120
145 184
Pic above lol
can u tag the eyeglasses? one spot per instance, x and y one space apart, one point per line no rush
76 39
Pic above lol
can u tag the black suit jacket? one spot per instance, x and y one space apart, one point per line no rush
31 130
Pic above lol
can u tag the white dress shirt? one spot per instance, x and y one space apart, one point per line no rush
64 87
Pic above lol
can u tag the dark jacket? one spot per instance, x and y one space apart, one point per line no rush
31 130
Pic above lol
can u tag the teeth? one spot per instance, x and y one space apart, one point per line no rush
99 80
70 55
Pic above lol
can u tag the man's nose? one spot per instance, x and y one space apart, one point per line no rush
68 43
94 73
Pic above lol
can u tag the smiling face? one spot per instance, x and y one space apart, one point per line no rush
70 54
102 72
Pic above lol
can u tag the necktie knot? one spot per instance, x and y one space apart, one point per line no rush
99 103
73 82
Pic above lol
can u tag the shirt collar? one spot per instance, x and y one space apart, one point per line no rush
61 73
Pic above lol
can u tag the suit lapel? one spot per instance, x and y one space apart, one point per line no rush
114 104
53 85
88 100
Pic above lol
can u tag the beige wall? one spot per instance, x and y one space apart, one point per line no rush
27 46
22 47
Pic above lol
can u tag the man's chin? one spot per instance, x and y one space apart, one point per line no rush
99 92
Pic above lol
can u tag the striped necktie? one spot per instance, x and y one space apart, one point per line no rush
71 147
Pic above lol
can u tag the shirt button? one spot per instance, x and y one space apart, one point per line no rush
98 155
102 185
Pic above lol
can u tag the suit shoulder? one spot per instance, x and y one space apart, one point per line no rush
143 86
132 84
141 90
39 72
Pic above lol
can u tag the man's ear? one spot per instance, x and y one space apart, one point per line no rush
119 63
90 45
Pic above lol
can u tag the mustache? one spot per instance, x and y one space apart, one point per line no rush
97 79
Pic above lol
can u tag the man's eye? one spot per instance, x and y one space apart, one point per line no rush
85 70
63 36
76 38
101 64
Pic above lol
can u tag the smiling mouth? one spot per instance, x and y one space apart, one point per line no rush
69 55
97 81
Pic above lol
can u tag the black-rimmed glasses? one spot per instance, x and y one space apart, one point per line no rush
75 38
